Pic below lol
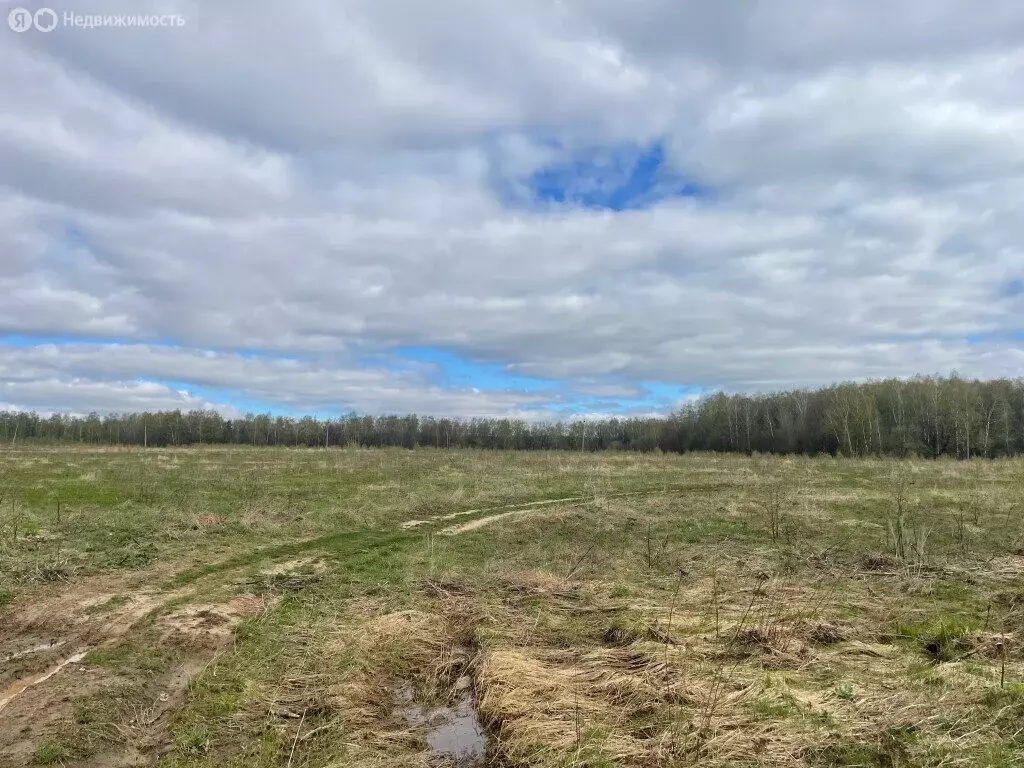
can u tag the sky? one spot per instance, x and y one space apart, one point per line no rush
543 209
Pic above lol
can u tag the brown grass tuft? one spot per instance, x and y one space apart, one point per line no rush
989 645
780 647
821 632
543 707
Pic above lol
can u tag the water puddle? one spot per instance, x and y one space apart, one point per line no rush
15 690
453 732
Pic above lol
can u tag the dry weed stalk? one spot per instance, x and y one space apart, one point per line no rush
908 534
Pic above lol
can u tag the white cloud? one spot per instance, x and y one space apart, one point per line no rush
327 181
126 377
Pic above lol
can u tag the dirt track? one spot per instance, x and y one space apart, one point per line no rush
511 510
46 647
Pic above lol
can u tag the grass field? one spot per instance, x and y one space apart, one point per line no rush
273 607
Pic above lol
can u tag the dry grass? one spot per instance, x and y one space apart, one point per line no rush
611 610
765 689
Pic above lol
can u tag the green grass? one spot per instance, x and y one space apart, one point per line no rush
50 753
623 607
941 639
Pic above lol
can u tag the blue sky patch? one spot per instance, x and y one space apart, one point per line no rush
982 338
449 370
31 340
1013 288
618 178
232 398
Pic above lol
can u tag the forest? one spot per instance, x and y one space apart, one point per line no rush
925 416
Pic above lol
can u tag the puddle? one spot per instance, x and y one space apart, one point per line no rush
20 686
452 732
30 651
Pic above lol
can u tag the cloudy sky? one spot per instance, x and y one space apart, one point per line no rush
472 207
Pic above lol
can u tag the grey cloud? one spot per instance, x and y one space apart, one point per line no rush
802 35
384 73
323 179
79 397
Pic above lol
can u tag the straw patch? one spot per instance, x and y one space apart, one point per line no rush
544 707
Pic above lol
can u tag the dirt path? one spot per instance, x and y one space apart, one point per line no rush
44 647
514 510
473 525
503 508
78 630
20 686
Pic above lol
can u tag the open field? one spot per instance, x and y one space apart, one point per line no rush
198 607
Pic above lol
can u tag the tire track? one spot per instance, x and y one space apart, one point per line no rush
492 514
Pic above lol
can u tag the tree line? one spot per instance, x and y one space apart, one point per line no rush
924 416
